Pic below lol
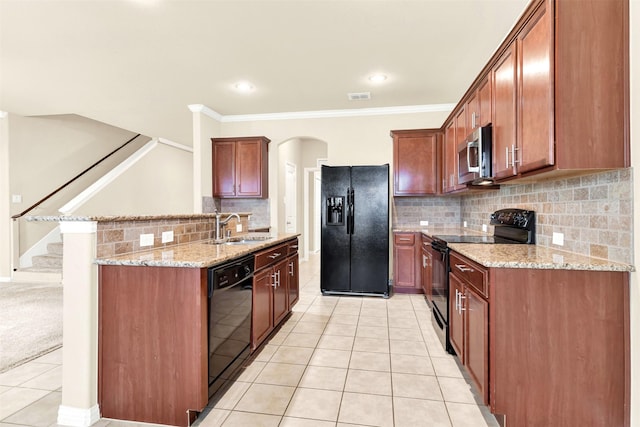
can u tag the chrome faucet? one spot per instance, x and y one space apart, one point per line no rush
221 223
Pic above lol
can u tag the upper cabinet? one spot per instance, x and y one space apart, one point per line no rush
555 93
240 167
416 162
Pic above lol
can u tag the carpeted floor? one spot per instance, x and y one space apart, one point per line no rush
30 321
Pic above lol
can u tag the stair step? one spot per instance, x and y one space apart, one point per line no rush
47 261
55 248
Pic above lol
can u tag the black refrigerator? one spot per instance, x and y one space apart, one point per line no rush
354 247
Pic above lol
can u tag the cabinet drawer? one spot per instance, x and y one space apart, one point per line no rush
426 241
404 239
271 256
470 272
293 246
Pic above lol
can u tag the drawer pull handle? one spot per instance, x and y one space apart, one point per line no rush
274 255
463 267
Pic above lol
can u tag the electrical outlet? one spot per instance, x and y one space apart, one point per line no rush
146 240
239 228
424 223
558 239
16 198
464 224
167 236
484 228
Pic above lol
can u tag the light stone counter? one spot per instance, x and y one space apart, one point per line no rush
195 254
436 231
534 257
115 218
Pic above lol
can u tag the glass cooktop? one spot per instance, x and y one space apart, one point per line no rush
474 239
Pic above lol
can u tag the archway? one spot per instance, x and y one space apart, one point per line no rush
304 155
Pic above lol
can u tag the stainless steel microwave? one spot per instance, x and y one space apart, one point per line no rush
474 157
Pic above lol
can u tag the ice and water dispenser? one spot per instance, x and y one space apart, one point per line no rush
335 210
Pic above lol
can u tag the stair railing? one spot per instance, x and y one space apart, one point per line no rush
15 238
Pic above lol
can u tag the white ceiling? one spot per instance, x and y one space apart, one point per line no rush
138 64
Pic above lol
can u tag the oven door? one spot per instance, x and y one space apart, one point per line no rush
440 282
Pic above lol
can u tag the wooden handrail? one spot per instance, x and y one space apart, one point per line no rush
54 192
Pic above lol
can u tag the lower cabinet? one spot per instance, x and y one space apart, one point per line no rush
469 319
293 281
427 271
407 266
275 283
543 346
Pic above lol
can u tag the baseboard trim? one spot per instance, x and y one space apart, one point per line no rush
78 417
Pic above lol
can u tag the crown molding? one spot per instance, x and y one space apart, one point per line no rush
322 114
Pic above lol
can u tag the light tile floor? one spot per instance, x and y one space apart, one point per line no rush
335 362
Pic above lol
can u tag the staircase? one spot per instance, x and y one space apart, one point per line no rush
44 268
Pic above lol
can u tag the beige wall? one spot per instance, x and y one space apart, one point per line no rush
204 128
160 183
5 201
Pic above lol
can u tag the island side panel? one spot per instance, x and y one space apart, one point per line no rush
152 343
559 342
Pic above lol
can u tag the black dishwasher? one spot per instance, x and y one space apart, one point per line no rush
229 313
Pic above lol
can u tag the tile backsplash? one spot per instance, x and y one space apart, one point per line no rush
259 208
594 212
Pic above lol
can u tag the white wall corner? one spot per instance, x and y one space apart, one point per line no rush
78 417
199 108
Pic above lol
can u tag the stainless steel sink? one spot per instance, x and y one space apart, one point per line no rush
244 242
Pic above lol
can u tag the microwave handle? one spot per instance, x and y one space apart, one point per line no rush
469 167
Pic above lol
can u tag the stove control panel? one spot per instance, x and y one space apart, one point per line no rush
518 218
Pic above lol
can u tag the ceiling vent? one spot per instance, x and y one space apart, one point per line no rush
359 96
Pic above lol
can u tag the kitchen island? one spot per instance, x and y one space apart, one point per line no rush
153 324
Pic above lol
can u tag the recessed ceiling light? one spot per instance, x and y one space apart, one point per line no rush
377 78
243 87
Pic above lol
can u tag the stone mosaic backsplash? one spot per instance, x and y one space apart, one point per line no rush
121 237
594 212
259 208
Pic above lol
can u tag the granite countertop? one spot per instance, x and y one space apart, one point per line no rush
431 231
196 254
110 218
535 257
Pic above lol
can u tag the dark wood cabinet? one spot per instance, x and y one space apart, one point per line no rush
484 102
293 283
240 167
152 343
543 347
450 161
271 292
427 269
469 319
262 312
407 266
416 162
504 114
535 143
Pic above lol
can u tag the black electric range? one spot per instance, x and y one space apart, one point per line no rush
511 226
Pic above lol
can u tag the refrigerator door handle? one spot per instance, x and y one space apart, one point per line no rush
350 218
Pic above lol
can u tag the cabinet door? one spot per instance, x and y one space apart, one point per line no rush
224 169
426 275
461 141
293 280
456 318
473 112
450 158
484 101
262 311
416 163
249 168
405 263
535 94
477 341
504 114
280 291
